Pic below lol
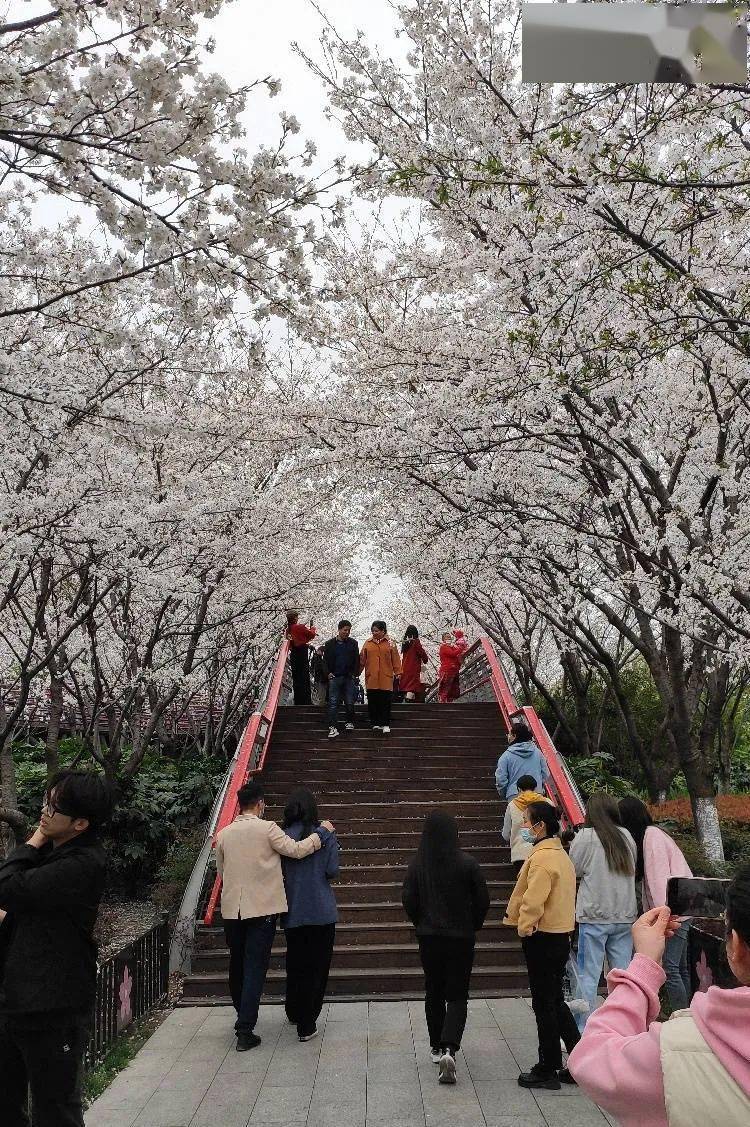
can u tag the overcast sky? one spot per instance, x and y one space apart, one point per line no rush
254 40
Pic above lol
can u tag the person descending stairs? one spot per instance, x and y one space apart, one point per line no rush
377 791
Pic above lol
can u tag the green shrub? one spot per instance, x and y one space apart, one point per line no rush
165 798
597 773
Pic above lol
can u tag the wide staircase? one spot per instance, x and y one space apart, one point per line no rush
377 790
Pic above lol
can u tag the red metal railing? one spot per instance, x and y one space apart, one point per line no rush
482 666
250 758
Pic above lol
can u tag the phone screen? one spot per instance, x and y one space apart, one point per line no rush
702 897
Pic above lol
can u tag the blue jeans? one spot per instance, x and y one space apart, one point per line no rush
675 963
249 943
338 687
594 942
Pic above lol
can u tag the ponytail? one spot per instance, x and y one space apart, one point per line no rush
738 905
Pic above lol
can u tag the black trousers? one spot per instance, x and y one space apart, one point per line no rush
49 1064
447 967
517 866
546 955
299 659
249 942
379 706
308 960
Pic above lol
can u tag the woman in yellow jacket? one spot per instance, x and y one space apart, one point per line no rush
542 907
381 662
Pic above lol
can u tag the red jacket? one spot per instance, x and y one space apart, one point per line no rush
450 659
301 634
410 680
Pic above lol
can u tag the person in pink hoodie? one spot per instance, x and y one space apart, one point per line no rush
692 1069
659 858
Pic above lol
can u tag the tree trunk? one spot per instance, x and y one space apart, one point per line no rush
13 823
51 751
706 818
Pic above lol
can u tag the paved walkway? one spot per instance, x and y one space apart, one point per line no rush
369 1068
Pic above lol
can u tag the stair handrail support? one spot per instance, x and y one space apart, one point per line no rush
181 944
561 786
250 758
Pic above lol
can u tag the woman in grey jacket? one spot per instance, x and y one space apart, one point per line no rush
604 855
310 921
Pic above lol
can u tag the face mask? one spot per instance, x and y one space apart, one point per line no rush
528 836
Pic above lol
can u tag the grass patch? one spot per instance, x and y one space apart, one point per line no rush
120 1054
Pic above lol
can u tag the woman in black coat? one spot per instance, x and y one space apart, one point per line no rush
445 897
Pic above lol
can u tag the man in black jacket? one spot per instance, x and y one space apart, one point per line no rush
341 658
50 889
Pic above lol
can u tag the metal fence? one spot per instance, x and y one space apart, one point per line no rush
128 985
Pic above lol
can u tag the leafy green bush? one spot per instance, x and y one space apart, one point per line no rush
597 772
163 798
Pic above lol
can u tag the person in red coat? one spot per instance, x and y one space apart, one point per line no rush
452 650
413 657
300 637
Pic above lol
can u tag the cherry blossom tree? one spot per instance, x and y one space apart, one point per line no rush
561 337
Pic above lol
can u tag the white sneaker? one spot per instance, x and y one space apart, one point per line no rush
435 1055
332 733
349 727
386 730
447 1069
309 1036
378 728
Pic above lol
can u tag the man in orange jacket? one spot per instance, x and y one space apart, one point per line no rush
381 662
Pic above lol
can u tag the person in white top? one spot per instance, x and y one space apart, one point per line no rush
248 859
515 812
604 856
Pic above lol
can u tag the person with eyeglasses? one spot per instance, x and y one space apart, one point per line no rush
50 889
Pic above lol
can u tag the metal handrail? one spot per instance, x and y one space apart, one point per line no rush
250 758
184 930
483 666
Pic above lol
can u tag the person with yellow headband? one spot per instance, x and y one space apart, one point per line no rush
513 833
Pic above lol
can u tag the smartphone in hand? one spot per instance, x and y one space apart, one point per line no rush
702 897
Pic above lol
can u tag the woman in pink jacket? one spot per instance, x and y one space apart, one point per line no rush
693 1069
660 858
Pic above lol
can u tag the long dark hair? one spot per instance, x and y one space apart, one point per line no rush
437 855
301 807
410 635
738 904
603 816
636 820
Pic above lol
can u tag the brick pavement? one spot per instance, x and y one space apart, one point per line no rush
369 1068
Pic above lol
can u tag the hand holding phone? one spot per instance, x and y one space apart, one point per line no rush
651 931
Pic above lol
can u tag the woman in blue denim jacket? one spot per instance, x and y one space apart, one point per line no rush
310 920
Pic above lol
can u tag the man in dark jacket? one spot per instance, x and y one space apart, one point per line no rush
50 889
341 657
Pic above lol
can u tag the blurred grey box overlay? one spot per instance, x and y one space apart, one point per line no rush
633 43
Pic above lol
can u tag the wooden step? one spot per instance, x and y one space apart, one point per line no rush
391 996
354 893
370 981
364 837
397 857
373 955
347 934
372 875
